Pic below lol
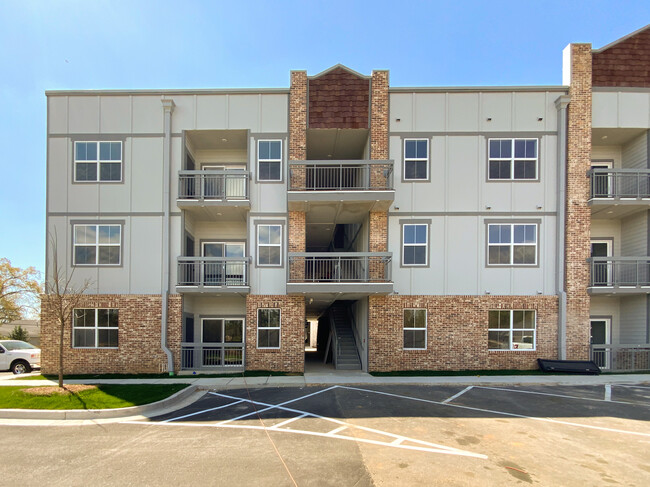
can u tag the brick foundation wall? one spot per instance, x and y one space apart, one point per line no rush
626 63
138 337
457 333
578 213
290 357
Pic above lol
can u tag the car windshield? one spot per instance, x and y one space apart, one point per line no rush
17 345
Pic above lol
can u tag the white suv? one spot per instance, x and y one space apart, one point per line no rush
19 357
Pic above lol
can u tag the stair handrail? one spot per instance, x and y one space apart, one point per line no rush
355 333
336 348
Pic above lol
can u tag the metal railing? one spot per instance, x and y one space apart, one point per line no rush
212 271
619 271
339 267
341 175
621 357
620 183
198 356
213 184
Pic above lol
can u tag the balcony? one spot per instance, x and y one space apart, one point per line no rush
616 193
213 275
214 192
226 356
361 273
365 182
618 358
619 275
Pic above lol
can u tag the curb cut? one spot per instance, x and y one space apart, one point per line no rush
83 414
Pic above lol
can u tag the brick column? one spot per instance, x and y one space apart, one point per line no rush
297 243
578 214
298 125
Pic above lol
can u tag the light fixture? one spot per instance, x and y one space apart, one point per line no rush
224 140
539 119
539 207
398 119
488 207
489 119
604 137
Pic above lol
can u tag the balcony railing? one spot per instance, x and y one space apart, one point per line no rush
341 175
200 356
621 357
212 271
344 267
213 185
620 271
620 183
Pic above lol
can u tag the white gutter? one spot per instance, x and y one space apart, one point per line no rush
168 108
561 105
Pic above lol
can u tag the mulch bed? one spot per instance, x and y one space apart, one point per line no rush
51 390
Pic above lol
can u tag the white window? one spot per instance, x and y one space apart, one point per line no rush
415 329
98 161
416 159
415 244
268 328
97 244
95 328
269 160
512 159
269 245
512 244
512 329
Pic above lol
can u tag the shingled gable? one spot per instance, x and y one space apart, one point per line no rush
339 98
625 62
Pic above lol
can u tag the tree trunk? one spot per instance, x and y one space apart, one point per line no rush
61 325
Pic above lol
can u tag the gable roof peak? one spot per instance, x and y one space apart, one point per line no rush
339 66
624 38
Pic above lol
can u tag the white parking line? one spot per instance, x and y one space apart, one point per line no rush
290 420
514 415
449 399
201 412
608 393
630 385
560 395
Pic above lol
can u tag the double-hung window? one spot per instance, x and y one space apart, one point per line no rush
97 244
415 329
512 159
269 245
512 244
416 159
512 329
269 160
95 328
268 328
415 244
98 161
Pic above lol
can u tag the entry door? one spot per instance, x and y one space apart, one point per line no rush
224 272
213 185
602 271
600 335
602 184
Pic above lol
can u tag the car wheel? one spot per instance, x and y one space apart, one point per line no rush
20 367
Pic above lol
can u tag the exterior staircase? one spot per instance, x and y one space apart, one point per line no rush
347 355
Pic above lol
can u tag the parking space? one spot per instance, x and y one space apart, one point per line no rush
377 435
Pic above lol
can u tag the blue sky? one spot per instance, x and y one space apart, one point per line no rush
216 44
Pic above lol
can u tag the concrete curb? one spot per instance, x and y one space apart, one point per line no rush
91 414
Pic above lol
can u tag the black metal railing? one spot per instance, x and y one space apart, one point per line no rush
212 271
620 271
213 184
198 356
327 267
620 183
340 175
621 357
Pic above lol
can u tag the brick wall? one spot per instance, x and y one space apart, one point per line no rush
457 333
290 357
339 99
297 243
298 116
578 214
379 115
138 337
626 63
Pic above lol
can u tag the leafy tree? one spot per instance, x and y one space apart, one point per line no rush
19 333
19 290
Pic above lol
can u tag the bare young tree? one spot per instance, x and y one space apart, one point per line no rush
62 296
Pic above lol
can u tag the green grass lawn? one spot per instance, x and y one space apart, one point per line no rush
106 396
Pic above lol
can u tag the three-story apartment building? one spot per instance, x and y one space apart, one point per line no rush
422 228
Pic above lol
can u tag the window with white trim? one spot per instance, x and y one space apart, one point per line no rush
512 244
97 244
512 159
98 161
415 329
268 328
416 159
269 160
95 328
415 244
512 329
269 245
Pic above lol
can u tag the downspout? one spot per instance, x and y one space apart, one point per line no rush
168 108
562 123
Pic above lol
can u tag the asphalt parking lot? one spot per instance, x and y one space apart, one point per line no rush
356 435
